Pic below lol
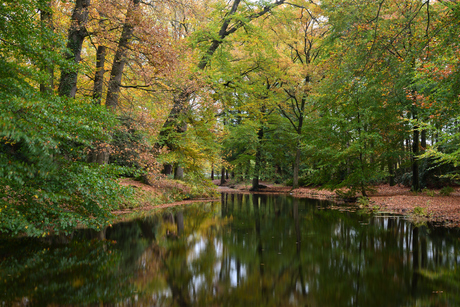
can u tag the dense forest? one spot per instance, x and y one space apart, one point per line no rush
336 94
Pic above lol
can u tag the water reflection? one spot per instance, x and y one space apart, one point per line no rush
254 249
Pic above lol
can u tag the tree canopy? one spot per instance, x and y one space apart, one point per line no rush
338 94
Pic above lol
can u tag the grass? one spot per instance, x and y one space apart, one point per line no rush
429 192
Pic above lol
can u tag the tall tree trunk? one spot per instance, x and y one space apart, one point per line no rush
46 19
298 128
120 59
415 152
99 154
76 36
99 76
295 181
212 172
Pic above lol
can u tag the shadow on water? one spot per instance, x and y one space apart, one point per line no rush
247 250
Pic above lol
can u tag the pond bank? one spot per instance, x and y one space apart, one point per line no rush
428 206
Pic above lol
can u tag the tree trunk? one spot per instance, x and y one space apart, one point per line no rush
120 59
167 169
258 166
99 76
76 36
212 172
178 173
222 176
415 152
295 181
99 155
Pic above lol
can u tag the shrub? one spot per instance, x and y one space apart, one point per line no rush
363 201
446 191
419 211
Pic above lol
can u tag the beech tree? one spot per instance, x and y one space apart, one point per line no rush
45 185
234 17
299 45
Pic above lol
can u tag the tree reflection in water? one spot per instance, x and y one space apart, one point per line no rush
259 250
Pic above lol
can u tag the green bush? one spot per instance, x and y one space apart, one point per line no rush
446 191
419 211
363 201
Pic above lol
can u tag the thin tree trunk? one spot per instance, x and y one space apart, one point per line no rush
258 166
415 152
76 36
99 154
295 181
212 172
120 59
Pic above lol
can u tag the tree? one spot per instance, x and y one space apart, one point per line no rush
234 18
299 46
374 51
45 185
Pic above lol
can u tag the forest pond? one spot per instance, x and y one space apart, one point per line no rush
247 250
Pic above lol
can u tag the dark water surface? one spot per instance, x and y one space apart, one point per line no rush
248 250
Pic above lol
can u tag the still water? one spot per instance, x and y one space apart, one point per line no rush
247 250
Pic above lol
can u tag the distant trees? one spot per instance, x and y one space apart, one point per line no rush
369 82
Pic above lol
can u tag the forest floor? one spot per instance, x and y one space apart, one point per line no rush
429 205
163 194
